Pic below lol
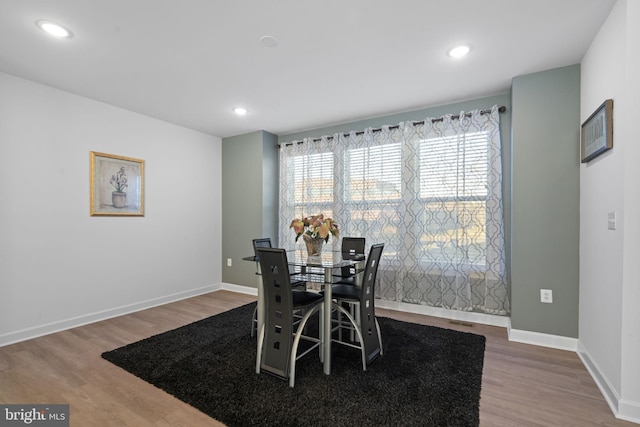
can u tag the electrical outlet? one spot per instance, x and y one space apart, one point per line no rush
229 263
546 296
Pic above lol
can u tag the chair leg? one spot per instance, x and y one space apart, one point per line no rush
379 335
355 312
296 341
259 351
356 327
321 332
254 321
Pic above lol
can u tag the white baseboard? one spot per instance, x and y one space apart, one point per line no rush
49 328
543 340
239 288
621 408
465 316
629 411
607 390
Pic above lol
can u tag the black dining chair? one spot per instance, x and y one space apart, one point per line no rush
281 333
362 298
265 242
352 247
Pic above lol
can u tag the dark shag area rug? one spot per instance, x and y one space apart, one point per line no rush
427 376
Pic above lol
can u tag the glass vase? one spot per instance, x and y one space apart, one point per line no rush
314 245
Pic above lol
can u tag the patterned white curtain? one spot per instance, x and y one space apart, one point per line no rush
430 191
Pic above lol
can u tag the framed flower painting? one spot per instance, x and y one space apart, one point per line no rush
117 185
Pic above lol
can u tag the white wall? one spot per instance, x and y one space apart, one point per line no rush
59 267
630 402
609 330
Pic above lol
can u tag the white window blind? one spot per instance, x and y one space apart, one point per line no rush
454 166
311 184
374 173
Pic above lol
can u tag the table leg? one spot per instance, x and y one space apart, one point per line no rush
260 317
327 321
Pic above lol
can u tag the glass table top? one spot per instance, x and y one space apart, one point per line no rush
328 259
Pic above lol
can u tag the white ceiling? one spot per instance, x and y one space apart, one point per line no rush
190 62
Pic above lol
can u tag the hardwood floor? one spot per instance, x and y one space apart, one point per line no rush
522 385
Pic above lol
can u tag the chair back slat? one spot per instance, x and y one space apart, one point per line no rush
264 242
278 339
367 303
351 246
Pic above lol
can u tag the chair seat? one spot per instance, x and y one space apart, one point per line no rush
344 292
298 283
302 299
347 281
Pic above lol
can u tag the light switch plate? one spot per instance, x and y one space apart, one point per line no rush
611 220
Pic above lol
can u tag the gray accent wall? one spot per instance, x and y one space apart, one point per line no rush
545 202
249 201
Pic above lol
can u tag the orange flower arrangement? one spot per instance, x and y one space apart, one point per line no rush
316 226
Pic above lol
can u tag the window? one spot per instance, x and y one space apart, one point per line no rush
310 179
430 191
453 175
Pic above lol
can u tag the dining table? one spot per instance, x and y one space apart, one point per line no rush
317 269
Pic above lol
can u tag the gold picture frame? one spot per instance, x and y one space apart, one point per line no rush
596 136
117 185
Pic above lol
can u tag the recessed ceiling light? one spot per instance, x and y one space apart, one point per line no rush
54 29
240 111
459 51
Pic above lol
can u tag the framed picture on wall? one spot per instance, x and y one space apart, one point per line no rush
597 132
117 185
